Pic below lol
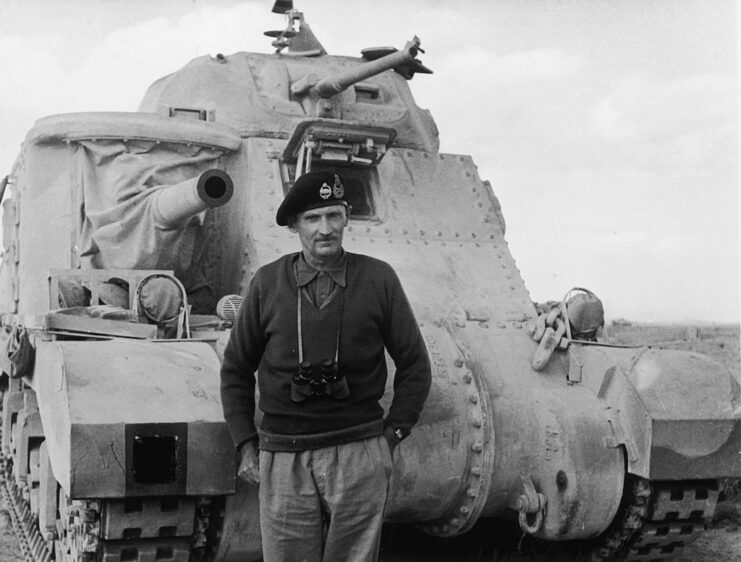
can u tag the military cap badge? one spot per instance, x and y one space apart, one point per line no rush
338 190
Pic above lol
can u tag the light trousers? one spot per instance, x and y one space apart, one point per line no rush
324 505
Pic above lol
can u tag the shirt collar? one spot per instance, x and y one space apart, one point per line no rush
305 274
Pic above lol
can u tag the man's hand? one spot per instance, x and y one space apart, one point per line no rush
388 434
249 467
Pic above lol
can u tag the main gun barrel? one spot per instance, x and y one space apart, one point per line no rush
175 203
328 87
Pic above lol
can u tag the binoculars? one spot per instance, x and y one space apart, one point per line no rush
328 381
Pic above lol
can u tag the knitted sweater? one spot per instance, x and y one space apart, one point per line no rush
375 315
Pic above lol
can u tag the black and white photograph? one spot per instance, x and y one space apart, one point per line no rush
391 280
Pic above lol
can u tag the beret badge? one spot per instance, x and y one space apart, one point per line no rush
338 190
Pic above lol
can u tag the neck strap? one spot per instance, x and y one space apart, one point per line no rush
299 329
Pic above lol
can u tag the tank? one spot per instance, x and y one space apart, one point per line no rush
130 237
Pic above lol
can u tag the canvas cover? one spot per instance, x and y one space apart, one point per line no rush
118 162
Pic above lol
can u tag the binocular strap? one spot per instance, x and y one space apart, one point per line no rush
299 330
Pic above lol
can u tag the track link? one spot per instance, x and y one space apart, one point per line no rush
657 520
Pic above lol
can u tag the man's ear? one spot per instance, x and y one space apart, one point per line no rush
291 224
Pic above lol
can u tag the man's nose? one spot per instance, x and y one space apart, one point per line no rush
324 226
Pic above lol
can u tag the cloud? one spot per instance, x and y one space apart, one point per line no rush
492 93
512 68
686 122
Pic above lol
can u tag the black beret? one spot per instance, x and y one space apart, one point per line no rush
311 191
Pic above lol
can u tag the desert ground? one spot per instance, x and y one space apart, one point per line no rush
721 543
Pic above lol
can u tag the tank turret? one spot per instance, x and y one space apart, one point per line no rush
119 245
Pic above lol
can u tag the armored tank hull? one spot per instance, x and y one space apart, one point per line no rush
154 221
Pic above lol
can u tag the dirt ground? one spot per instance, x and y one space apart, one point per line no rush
721 543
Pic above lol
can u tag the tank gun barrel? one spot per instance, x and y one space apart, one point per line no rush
175 203
328 87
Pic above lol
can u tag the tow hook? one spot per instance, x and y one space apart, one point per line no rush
530 503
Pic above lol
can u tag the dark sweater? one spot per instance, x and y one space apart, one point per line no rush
376 314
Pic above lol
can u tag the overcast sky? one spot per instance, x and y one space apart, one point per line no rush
608 129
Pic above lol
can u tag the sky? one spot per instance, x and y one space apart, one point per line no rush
608 129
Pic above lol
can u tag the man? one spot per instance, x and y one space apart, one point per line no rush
314 325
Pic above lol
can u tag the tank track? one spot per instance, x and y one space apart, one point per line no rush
657 520
25 525
137 529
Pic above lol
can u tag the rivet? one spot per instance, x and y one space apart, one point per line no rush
421 232
367 229
455 521
473 399
484 325
471 493
501 325
465 510
446 528
458 362
349 228
473 235
476 471
477 447
386 230
476 422
457 234
439 233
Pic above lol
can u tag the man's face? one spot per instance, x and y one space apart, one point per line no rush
320 231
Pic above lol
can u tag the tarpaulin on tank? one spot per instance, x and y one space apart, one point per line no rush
119 227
